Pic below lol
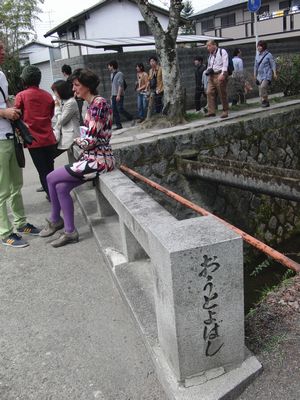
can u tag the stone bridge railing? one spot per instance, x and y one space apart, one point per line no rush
197 288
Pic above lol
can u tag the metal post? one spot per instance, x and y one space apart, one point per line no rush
256 29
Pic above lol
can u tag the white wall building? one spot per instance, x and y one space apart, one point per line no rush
115 19
41 55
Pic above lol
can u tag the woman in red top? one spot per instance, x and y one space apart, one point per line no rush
37 108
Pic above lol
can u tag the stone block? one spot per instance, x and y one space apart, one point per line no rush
199 295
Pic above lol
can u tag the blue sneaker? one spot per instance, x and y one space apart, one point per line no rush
14 240
30 229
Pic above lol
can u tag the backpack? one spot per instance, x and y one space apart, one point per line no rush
230 63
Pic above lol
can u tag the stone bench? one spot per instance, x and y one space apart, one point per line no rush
198 290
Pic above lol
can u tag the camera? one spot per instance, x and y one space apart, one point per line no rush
209 72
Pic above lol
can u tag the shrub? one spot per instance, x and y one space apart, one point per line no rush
288 67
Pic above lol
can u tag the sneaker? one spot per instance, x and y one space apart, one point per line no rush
30 229
265 104
40 189
51 228
66 238
14 240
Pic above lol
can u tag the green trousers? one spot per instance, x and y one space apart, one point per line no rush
11 182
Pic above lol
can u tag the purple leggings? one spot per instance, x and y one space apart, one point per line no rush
60 184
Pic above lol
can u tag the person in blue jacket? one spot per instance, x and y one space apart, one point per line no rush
264 70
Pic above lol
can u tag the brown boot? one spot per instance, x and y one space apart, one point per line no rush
51 228
65 238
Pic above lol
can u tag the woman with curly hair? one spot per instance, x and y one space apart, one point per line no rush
96 158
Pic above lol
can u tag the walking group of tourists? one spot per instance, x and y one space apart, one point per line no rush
148 86
92 132
212 80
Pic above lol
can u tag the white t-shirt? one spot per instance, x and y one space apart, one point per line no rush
5 126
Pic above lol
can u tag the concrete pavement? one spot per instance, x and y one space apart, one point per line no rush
64 330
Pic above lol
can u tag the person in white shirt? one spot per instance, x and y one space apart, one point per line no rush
238 79
216 71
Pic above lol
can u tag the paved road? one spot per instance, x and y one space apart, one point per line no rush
64 331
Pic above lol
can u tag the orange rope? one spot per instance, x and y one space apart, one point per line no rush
269 251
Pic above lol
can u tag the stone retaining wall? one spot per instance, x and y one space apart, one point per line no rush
271 139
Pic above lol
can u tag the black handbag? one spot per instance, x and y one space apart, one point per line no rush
19 150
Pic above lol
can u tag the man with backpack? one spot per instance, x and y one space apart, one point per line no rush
118 87
217 72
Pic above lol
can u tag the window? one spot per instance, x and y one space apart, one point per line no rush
263 9
207 25
283 5
228 20
144 29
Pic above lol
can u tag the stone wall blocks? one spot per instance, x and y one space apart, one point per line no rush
280 153
221 151
273 223
235 149
289 151
268 237
279 232
160 168
254 150
281 218
255 202
166 147
243 155
288 162
263 147
261 158
289 227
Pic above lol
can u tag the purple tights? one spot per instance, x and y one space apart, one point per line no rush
60 184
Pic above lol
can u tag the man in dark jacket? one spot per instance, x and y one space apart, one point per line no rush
199 90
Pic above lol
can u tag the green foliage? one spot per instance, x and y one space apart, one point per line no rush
260 267
16 28
288 68
188 27
12 69
16 22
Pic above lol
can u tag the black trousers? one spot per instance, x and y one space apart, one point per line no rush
43 160
198 93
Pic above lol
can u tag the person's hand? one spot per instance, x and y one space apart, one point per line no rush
118 98
12 113
275 76
221 77
77 140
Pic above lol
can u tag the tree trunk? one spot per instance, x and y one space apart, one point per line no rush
165 43
173 92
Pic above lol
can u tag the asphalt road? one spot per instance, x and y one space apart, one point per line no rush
64 330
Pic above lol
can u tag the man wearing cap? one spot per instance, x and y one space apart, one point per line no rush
37 108
11 179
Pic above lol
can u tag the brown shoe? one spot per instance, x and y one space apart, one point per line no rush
51 228
65 238
224 115
209 115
